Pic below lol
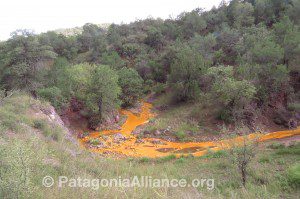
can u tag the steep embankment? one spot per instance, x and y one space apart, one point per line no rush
123 142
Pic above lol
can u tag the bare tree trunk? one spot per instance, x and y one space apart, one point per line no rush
243 171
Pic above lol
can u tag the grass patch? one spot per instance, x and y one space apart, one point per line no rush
144 160
293 175
166 158
49 131
276 145
215 154
180 135
265 159
291 150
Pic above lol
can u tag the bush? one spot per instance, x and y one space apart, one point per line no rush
159 88
39 124
148 86
180 135
53 95
225 115
131 84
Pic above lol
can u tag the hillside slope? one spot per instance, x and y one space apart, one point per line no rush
34 143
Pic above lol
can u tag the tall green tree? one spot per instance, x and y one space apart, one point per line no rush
131 84
97 87
186 72
24 59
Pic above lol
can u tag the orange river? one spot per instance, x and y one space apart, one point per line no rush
147 148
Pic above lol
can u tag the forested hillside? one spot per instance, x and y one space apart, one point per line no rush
242 57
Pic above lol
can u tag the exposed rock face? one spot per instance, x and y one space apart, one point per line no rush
54 118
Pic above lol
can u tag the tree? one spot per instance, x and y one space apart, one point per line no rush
227 41
112 59
242 14
242 153
171 30
192 22
154 38
267 52
293 11
233 94
56 87
132 86
291 44
97 87
24 60
205 45
63 46
268 79
281 29
93 40
113 37
186 71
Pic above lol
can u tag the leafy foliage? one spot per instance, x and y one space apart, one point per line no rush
184 56
132 86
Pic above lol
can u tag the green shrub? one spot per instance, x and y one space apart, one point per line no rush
166 158
294 175
53 95
94 141
159 88
180 135
144 160
40 124
225 115
181 160
148 86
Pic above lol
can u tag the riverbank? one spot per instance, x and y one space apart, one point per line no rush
125 142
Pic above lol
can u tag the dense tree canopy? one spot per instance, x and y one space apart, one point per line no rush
259 40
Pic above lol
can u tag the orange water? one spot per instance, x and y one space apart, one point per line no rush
164 148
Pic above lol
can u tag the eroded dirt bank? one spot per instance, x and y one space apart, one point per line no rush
122 142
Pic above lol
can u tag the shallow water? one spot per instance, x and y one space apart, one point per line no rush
153 147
